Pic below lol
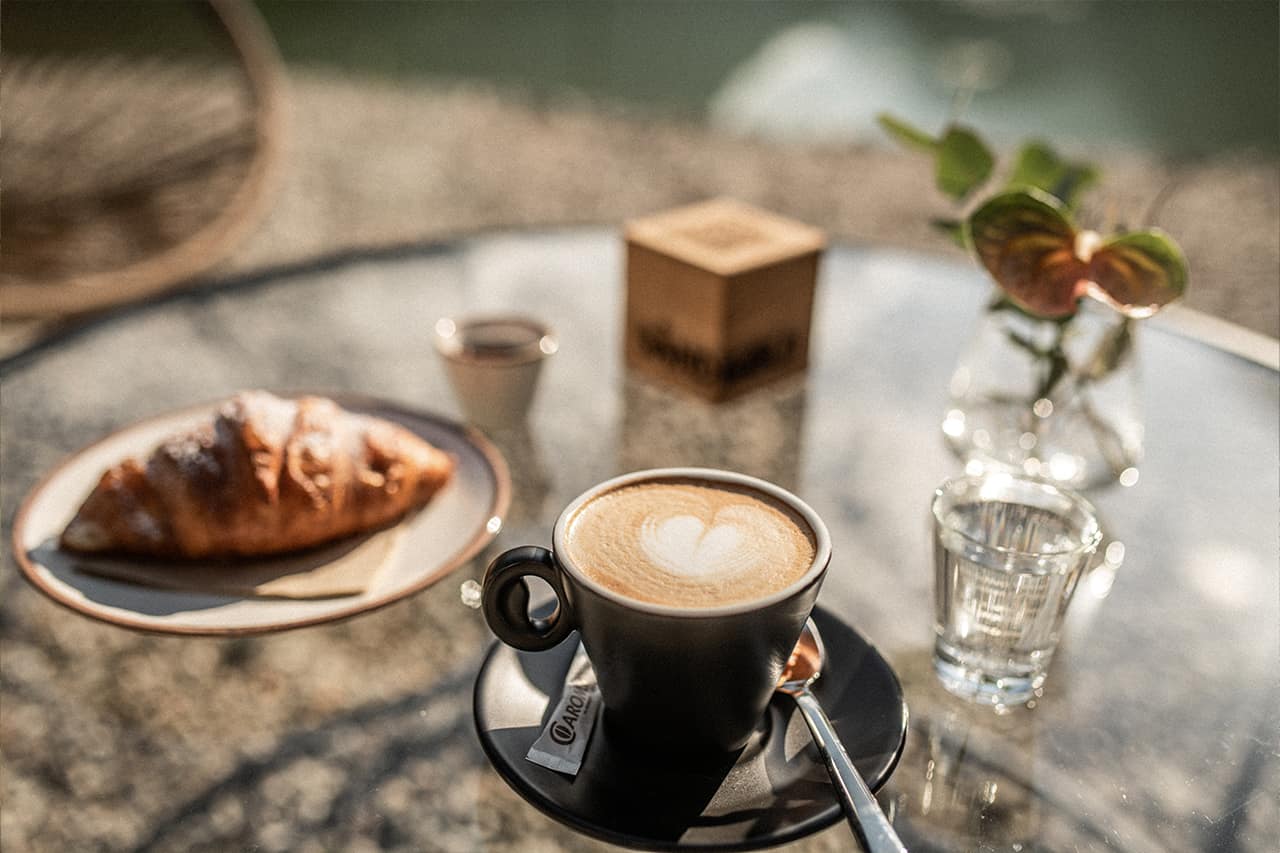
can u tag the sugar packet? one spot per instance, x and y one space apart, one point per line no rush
563 741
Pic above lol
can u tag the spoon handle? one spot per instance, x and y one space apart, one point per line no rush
869 823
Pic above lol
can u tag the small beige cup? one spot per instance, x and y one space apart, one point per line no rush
493 363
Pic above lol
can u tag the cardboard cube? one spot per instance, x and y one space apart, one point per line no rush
719 296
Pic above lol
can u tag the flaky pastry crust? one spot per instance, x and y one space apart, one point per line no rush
264 476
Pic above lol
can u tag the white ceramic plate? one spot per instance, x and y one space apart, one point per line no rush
460 520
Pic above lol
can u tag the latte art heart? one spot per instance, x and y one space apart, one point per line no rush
685 545
689 544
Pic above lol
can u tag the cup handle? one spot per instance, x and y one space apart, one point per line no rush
505 598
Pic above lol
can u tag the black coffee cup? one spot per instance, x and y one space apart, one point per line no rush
697 678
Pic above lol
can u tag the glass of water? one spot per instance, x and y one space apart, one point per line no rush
1008 553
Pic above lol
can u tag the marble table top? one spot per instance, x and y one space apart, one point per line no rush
1158 729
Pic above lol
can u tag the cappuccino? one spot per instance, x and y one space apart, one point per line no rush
690 543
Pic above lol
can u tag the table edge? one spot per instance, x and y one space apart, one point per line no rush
1219 334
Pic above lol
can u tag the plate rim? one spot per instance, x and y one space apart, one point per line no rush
800 830
488 451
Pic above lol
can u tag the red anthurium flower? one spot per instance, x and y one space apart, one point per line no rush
1030 247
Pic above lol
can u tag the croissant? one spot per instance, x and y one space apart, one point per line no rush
265 476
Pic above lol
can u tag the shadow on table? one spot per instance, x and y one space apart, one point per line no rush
161 587
965 781
68 569
531 479
364 748
758 434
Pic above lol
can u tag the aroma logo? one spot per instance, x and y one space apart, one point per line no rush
564 729
564 738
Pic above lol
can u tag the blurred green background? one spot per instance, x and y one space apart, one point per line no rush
1176 77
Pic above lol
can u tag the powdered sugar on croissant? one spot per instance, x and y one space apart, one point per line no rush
264 476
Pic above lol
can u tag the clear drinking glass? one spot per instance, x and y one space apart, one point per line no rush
1008 553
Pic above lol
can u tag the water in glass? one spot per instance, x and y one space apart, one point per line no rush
1006 571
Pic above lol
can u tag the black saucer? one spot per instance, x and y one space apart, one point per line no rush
775 790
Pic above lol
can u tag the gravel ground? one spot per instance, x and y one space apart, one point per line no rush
374 162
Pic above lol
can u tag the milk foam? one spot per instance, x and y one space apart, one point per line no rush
690 544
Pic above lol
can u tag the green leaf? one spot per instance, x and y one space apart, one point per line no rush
953 228
1039 166
907 134
1075 179
1111 351
964 162
1017 212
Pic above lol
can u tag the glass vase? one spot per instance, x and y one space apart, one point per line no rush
1058 399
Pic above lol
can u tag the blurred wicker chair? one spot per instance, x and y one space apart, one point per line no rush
132 155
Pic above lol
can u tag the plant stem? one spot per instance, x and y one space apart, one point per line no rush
1105 358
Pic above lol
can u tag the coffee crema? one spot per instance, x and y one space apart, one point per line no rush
689 543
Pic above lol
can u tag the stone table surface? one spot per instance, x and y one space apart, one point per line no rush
1158 730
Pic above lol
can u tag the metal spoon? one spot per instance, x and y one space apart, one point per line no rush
863 812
